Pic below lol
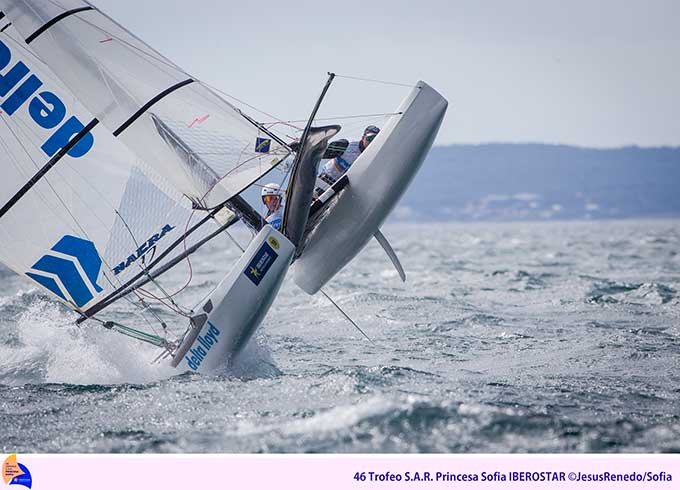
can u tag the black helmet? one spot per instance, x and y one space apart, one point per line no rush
371 130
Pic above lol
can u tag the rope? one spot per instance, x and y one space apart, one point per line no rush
143 293
361 116
345 315
377 81
235 242
177 308
136 334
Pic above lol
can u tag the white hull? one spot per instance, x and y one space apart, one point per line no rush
377 180
239 304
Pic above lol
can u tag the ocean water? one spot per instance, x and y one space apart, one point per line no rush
522 337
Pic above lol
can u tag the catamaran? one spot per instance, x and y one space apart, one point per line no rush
117 166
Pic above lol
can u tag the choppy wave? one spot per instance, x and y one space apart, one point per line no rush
608 291
557 337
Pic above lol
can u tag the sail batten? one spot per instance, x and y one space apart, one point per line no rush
47 167
53 21
150 104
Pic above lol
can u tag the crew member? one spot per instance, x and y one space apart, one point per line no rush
272 197
342 155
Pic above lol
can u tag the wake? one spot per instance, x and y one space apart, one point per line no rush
42 345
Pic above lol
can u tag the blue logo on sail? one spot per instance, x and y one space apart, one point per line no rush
59 272
263 145
21 88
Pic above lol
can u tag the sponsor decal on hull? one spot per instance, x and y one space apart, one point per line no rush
202 346
258 267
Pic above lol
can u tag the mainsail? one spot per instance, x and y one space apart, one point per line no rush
79 229
94 189
123 82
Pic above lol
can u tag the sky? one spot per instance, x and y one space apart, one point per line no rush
595 73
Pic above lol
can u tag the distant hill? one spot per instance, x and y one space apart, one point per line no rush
540 182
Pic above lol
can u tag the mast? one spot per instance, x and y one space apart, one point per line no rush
305 167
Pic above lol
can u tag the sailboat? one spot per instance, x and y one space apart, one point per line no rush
117 166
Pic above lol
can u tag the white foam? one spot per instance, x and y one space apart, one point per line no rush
66 353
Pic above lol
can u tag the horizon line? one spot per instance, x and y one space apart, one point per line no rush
568 145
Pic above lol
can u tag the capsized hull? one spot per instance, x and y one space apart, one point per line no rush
377 180
228 318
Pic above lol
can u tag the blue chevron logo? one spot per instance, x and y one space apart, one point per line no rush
72 272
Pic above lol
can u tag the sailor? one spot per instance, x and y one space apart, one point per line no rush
272 197
342 155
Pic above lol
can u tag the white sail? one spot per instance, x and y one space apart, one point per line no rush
82 222
129 87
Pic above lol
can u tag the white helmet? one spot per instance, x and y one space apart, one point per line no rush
272 190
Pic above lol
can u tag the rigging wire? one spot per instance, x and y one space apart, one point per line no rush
385 82
359 116
238 245
175 307
345 315
159 58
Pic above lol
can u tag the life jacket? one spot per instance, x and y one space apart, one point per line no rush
336 167
275 219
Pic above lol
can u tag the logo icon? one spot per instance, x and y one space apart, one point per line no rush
258 267
263 145
14 473
273 242
70 270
